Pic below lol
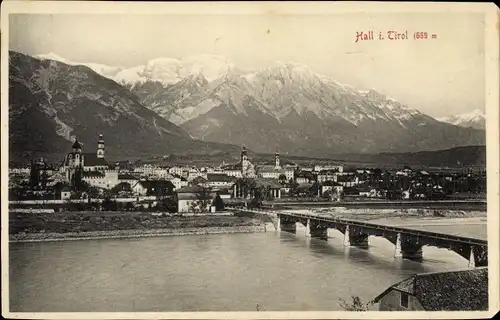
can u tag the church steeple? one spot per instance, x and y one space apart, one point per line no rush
244 161
76 146
100 146
277 160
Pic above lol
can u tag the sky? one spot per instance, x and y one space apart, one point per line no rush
440 77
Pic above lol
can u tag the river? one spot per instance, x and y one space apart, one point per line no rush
223 272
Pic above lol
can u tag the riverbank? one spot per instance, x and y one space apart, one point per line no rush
119 234
42 226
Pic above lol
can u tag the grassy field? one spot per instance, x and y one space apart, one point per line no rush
64 222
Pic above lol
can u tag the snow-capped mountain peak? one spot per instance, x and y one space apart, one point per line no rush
102 69
53 56
474 119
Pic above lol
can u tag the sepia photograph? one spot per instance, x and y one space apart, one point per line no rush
252 159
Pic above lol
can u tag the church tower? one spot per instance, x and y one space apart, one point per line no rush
74 163
277 160
76 159
244 161
100 146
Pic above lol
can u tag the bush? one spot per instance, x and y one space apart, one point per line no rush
356 305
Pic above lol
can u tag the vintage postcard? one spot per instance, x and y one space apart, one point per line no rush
249 160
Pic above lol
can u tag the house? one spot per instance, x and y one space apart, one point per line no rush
179 182
326 175
224 193
199 181
218 180
194 196
285 189
65 193
347 180
271 187
304 177
193 174
332 187
303 189
153 187
128 178
336 168
463 290
302 180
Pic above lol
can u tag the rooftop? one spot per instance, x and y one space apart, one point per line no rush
158 184
91 160
219 177
462 290
93 174
127 176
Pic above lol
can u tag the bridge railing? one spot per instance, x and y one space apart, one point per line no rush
392 228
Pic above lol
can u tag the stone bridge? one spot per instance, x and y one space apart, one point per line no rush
408 242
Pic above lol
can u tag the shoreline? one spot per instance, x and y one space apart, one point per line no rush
132 233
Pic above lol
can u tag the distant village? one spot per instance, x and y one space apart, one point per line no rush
86 181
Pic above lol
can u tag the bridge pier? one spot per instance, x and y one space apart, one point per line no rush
478 257
397 248
347 238
472 261
408 249
316 230
359 240
286 225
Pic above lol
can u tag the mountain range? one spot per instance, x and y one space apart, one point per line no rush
51 103
474 119
285 106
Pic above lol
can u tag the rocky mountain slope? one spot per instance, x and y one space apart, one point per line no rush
51 103
284 106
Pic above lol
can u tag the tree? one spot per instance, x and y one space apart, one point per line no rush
293 187
169 204
282 178
34 175
313 191
246 186
108 205
122 187
356 304
219 203
93 192
203 200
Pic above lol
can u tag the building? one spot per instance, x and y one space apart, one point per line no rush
336 168
128 178
153 188
217 180
178 171
347 180
271 188
275 171
463 290
73 162
326 175
243 169
65 193
179 182
194 198
224 193
332 186
91 167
